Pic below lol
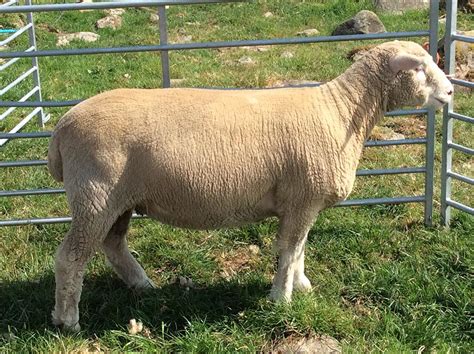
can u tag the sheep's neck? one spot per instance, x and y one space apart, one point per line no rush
360 97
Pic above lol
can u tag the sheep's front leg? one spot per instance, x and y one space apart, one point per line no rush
300 281
291 240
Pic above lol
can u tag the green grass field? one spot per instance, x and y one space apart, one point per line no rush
382 280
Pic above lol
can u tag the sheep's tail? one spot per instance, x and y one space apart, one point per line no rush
55 162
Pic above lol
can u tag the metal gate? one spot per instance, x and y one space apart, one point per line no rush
164 47
449 116
11 34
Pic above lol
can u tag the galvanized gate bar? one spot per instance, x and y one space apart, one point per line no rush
214 45
462 38
464 83
461 117
461 178
460 206
23 163
16 34
431 120
461 148
14 60
165 61
109 5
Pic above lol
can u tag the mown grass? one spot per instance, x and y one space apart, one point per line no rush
382 281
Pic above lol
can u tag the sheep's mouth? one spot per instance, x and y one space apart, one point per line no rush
443 102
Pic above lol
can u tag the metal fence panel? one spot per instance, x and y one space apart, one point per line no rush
164 47
447 173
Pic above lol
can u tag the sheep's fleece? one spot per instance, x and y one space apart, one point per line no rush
207 159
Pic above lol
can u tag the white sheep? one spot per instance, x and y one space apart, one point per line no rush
208 159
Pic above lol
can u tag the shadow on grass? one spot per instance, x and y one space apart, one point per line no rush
107 304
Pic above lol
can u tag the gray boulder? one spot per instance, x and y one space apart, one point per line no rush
363 22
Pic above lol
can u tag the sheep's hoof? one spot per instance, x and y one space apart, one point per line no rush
74 328
145 285
64 327
276 295
302 284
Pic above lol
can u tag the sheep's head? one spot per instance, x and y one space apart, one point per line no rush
418 80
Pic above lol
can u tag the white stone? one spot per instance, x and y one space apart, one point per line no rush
308 32
246 61
111 21
267 14
115 12
154 18
287 55
64 39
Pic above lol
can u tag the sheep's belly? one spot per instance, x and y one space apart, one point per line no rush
199 219
190 215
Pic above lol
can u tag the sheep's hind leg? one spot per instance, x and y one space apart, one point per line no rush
291 240
116 249
72 256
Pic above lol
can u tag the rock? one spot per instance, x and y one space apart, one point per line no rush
254 249
363 22
287 55
115 12
111 21
385 133
154 18
65 38
401 5
267 14
177 82
127 76
186 283
255 48
134 327
313 344
187 38
308 32
246 61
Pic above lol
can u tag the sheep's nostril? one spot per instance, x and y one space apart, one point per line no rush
450 92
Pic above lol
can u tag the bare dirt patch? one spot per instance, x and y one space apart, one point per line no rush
237 260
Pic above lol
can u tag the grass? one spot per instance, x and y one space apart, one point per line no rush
382 281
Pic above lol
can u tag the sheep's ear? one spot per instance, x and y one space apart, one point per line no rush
401 62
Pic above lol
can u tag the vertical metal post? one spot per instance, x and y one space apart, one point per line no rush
34 63
430 126
165 63
446 152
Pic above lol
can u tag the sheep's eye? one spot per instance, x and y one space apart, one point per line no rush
420 68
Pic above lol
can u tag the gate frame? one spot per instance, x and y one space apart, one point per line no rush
33 71
447 174
164 47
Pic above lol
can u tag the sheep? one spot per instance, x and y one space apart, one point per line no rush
207 159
